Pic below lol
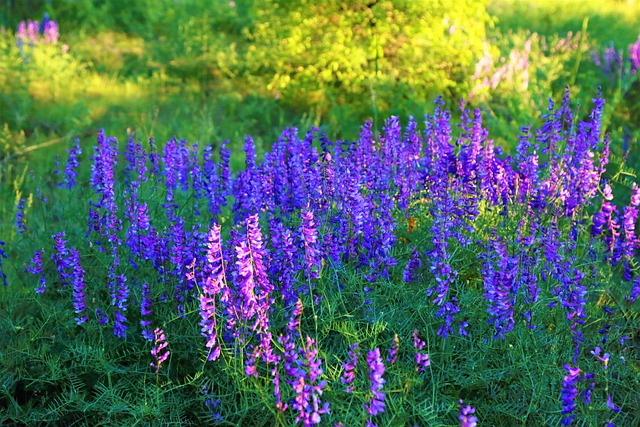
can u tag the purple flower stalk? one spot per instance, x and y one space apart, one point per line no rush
393 351
145 312
422 358
349 366
20 217
214 284
72 164
376 403
158 351
309 388
569 393
313 257
414 264
466 417
77 282
36 268
3 255
610 404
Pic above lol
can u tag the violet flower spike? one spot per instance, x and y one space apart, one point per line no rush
422 358
3 255
376 403
349 366
158 351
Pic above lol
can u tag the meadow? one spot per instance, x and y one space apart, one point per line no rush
397 213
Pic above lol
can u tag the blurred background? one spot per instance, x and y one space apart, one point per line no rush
215 70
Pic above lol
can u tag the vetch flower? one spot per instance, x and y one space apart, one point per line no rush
393 351
569 393
466 417
145 312
20 217
158 351
3 255
77 282
422 358
36 268
610 404
349 366
376 404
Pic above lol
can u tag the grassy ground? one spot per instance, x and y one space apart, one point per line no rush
164 69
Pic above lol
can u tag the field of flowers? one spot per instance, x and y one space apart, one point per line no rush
418 272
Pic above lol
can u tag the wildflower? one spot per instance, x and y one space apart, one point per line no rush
101 316
72 164
422 358
466 417
20 217
610 404
3 255
634 56
393 351
145 312
158 351
415 263
569 393
77 282
349 366
213 285
36 268
313 257
376 403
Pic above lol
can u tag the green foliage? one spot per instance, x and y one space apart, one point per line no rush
371 56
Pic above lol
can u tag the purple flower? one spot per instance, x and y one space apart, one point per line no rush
3 255
349 366
158 351
145 312
376 403
422 358
393 351
313 257
309 388
72 164
569 393
36 268
466 417
61 258
634 55
610 404
20 217
77 282
415 263
214 283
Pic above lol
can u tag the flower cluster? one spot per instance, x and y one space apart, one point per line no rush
34 32
158 351
376 404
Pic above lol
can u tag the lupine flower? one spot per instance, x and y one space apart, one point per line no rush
20 217
36 268
349 366
158 351
422 358
376 404
466 417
